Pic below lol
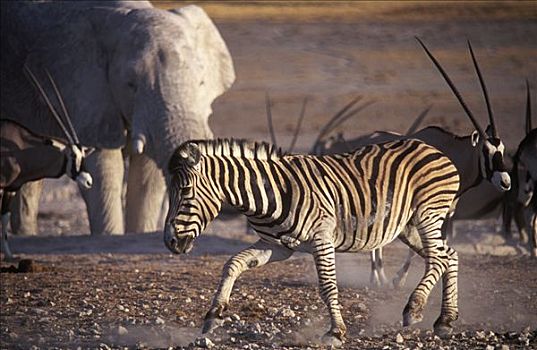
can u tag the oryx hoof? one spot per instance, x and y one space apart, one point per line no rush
332 340
398 282
211 324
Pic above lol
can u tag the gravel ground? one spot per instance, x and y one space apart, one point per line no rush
153 299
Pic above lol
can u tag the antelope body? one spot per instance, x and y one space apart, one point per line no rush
26 156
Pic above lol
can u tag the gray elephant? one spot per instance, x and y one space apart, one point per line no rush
123 68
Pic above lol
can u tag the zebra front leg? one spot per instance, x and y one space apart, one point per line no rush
258 254
325 262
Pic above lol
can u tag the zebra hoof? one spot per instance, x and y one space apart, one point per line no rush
410 318
332 341
211 324
442 330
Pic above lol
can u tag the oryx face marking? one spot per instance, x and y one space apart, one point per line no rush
75 168
492 163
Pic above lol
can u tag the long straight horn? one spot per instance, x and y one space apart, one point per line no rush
485 92
62 104
453 89
34 80
412 129
298 125
269 119
528 108
328 126
351 114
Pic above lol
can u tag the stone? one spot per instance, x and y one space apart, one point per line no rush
122 331
204 342
399 338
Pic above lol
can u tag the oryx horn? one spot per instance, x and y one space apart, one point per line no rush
298 125
49 104
328 127
453 88
62 104
485 92
528 108
269 119
412 129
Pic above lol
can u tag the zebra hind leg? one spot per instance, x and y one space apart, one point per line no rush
258 254
450 312
440 262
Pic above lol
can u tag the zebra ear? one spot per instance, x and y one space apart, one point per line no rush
191 154
475 138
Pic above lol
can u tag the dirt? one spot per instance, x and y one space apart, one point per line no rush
128 291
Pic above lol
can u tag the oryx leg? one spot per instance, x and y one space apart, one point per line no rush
259 254
412 238
377 277
6 198
441 261
532 230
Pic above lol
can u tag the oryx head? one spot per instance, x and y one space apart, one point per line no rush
73 151
193 204
490 146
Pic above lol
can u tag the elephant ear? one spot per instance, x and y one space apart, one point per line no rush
64 43
210 48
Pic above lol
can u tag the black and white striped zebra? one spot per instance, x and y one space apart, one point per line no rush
319 204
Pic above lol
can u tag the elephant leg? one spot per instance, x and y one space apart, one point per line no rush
25 207
146 189
104 199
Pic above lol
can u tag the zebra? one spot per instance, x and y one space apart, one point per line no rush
351 202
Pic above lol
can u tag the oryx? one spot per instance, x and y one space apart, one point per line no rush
479 156
521 202
26 156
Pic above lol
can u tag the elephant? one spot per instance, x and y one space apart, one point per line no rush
129 74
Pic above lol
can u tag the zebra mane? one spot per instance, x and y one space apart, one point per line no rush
239 148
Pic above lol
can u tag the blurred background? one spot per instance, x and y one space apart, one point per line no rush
333 51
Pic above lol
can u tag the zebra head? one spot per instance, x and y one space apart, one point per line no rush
193 202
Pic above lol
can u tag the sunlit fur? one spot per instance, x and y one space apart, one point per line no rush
345 203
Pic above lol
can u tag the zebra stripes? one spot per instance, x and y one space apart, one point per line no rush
319 204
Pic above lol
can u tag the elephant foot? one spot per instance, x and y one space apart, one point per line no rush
214 318
534 252
413 312
333 339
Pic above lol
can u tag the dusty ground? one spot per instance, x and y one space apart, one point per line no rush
128 291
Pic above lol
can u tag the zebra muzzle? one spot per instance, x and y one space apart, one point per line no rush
178 243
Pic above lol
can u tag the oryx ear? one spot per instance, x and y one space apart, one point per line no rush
87 151
475 138
57 144
190 154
